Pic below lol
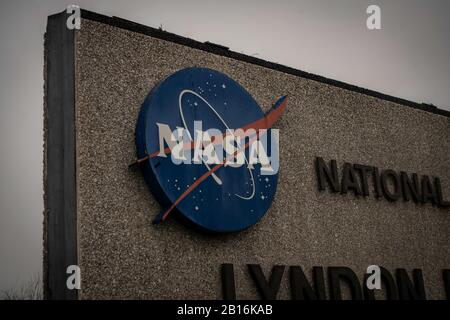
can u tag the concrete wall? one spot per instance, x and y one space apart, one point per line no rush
122 255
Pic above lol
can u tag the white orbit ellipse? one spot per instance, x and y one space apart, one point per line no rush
215 177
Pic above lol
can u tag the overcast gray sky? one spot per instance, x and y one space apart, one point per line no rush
408 58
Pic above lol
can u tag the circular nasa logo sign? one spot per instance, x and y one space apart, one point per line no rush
207 150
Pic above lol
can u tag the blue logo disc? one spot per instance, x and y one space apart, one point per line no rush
227 200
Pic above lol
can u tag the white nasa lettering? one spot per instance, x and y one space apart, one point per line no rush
174 140
213 147
209 154
230 148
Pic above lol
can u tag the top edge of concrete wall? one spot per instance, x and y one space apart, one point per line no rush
224 51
